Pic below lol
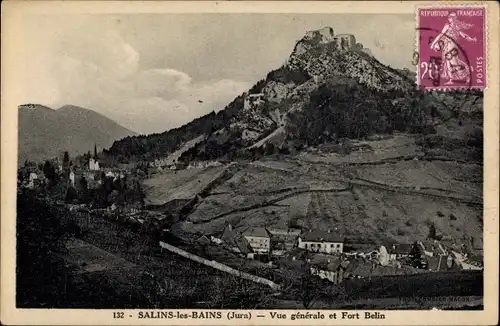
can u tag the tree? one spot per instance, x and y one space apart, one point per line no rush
50 172
71 195
432 232
308 290
84 191
95 152
304 286
66 159
101 196
40 270
115 197
415 255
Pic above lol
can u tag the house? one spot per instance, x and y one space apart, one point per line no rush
233 241
93 164
72 178
442 263
259 239
360 248
32 178
283 240
290 232
397 251
291 267
328 267
321 241
359 268
278 247
432 248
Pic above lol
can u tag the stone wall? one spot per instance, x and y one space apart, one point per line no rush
219 266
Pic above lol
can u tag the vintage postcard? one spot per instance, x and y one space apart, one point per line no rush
249 163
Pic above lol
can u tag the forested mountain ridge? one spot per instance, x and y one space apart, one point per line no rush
46 133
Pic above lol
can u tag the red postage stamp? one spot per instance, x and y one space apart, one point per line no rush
451 47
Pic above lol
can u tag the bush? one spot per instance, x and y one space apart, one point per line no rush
417 285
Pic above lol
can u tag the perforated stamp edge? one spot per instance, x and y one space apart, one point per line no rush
449 5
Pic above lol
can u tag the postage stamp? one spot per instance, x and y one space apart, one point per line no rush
451 48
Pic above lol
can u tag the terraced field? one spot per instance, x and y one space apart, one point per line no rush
390 192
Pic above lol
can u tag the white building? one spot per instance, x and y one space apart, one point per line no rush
259 239
396 251
72 178
321 241
32 178
93 165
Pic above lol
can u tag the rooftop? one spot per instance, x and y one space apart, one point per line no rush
257 232
321 236
298 253
326 262
290 231
360 267
398 248
230 237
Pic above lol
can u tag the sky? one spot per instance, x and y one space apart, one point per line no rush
154 72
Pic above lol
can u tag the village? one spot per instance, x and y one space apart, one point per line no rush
326 254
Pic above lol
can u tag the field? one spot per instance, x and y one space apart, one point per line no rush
90 258
183 184
383 196
370 151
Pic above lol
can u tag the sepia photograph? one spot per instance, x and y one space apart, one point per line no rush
278 161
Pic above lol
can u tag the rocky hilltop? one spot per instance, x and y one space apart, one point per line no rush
330 88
